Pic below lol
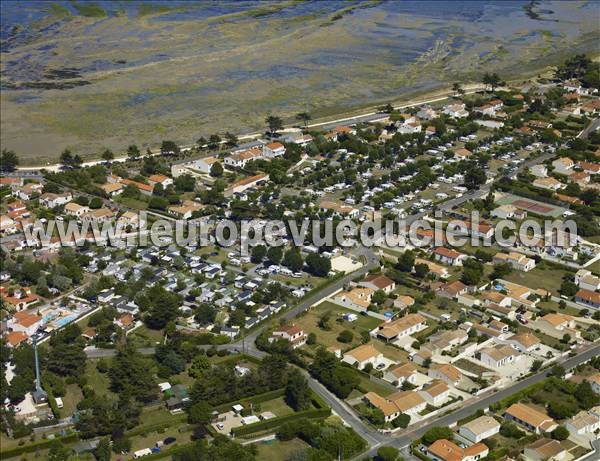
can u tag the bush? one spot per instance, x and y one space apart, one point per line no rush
345 336
437 433
560 433
401 421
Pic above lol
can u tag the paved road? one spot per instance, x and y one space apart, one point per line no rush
96 353
595 125
406 437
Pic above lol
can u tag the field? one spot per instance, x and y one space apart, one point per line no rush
125 77
542 276
280 451
310 323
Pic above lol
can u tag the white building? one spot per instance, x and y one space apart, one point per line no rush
480 429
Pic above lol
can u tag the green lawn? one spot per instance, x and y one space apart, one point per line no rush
276 406
96 380
145 337
70 400
280 451
309 322
542 276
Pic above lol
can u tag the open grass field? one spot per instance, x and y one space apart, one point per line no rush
542 276
310 323
280 451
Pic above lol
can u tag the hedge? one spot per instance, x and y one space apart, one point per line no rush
259 398
276 422
39 445
514 398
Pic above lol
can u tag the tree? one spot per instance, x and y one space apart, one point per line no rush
231 139
536 365
67 360
560 433
133 152
474 177
169 148
102 451
500 271
457 89
8 161
161 306
304 117
200 413
312 338
216 170
201 142
318 265
199 366
387 454
510 430
379 297
345 336
491 80
214 141
437 433
275 254
421 270
293 260
406 261
95 203
568 288
108 155
558 371
585 395
274 123
258 254
131 374
297 394
66 158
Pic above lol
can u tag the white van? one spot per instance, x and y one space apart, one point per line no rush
144 452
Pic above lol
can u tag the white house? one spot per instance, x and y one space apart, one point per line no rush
362 355
205 164
563 165
584 422
498 356
435 392
586 280
51 200
292 333
539 171
516 260
456 110
448 256
273 149
480 429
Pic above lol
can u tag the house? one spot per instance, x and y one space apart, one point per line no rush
436 392
548 184
581 178
445 340
129 219
363 355
178 397
447 256
558 321
481 230
186 209
292 333
530 418
160 179
21 300
434 269
515 260
273 149
545 449
456 110
339 130
99 216
7 225
399 374
589 167
240 159
357 297
498 355
462 154
50 200
452 290
74 209
480 429
588 298
585 280
145 189
427 113
524 342
408 402
495 297
25 322
563 165
126 322
403 326
205 164
389 409
247 183
112 188
403 301
445 372
14 338
378 282
584 422
539 171
445 450
28 191
504 212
